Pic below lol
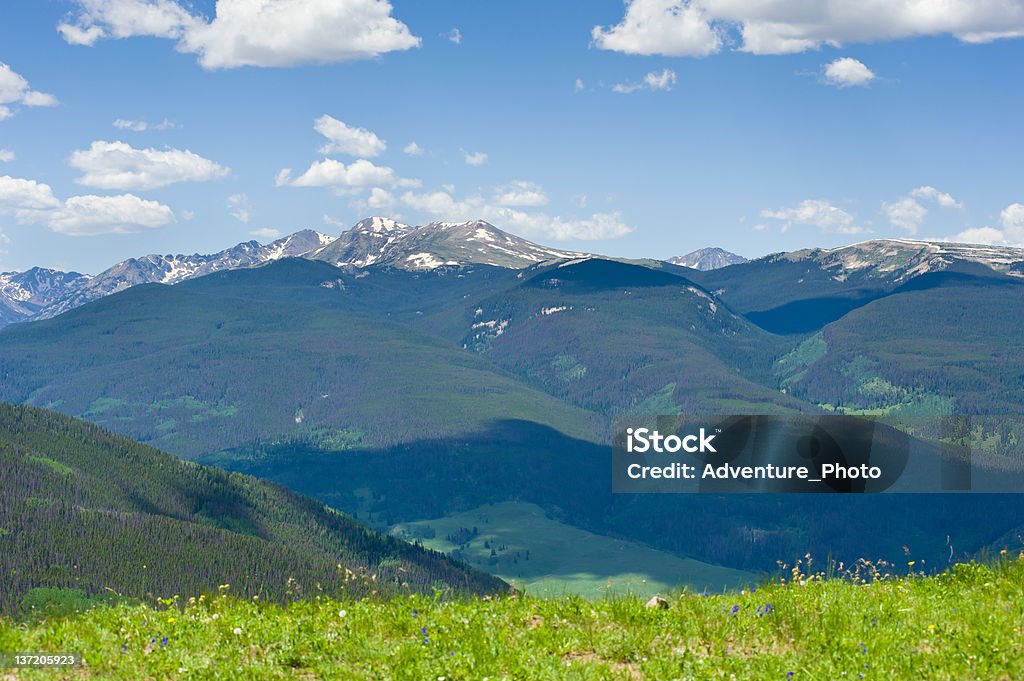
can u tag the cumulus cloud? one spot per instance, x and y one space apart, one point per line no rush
848 72
14 89
381 200
652 81
32 202
521 193
443 205
1012 220
239 207
455 36
6 155
698 28
412 149
266 33
117 165
905 213
344 139
981 235
580 87
92 215
18 195
331 173
908 214
477 158
816 213
667 27
933 194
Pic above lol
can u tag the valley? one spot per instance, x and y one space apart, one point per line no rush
415 392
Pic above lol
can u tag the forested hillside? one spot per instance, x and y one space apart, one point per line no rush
83 508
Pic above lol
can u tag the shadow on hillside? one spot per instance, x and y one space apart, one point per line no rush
571 479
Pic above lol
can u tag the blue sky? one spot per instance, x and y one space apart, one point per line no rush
641 129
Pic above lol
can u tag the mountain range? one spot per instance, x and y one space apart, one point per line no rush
42 293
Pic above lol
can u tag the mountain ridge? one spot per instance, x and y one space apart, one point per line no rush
42 293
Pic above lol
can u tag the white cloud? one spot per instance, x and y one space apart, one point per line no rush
478 158
343 139
817 213
907 213
188 215
703 27
1012 219
848 72
266 233
125 19
981 235
334 222
597 227
264 33
117 165
331 173
239 207
455 36
933 194
521 193
580 87
381 200
14 89
6 155
667 27
32 202
141 126
540 225
412 149
652 81
18 195
92 215
1012 233
134 126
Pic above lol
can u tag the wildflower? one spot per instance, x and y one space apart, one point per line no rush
238 631
415 612
735 609
423 630
789 674
342 613
910 564
215 616
170 620
164 641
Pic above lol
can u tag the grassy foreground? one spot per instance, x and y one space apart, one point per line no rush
964 624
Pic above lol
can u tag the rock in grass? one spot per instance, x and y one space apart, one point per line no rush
657 602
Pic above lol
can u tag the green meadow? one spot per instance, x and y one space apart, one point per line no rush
533 551
963 624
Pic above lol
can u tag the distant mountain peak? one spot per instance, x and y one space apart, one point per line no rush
382 241
708 259
903 259
380 224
